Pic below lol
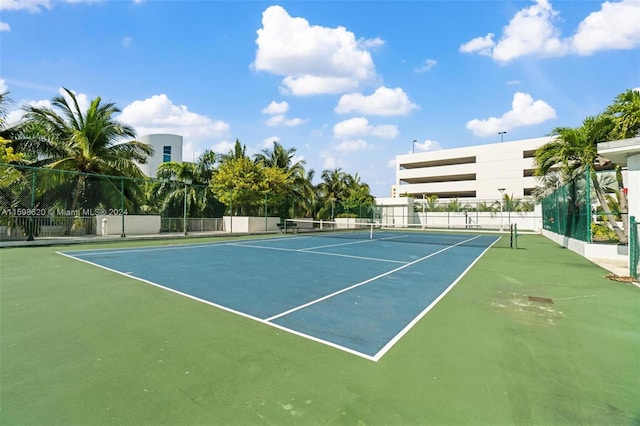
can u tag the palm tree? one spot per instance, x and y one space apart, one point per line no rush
279 157
332 191
170 190
358 196
65 138
625 113
238 151
305 194
575 150
282 159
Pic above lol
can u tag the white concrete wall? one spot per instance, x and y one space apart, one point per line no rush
246 224
133 225
589 250
158 142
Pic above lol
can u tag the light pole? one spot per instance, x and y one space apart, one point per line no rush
501 136
413 148
501 191
184 221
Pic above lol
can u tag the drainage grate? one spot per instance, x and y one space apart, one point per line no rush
540 299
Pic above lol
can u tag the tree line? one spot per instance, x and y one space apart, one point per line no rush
93 160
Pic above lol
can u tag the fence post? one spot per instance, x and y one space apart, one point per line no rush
122 205
634 247
588 206
33 205
266 221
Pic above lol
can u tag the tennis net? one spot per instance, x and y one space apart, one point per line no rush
349 228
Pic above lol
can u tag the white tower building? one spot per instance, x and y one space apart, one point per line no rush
166 148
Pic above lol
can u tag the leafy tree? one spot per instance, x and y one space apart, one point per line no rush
625 113
65 138
242 184
282 159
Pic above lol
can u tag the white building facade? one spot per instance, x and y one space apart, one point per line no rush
166 147
470 173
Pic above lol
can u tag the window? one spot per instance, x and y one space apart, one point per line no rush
166 154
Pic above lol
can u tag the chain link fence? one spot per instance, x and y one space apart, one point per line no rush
42 203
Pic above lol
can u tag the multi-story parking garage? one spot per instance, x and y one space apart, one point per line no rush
477 172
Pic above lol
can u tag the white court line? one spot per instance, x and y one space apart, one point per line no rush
224 308
328 296
319 252
409 326
338 244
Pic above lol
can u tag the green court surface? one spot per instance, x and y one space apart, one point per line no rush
81 345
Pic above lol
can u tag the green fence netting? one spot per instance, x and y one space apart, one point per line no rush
567 211
42 202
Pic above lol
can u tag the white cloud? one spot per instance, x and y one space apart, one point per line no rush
383 101
4 27
524 112
276 108
3 85
352 145
158 114
360 126
281 120
428 64
392 163
532 31
427 145
371 43
127 41
513 82
28 5
278 118
312 59
35 5
482 45
614 26
16 116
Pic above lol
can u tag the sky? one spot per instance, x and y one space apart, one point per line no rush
348 84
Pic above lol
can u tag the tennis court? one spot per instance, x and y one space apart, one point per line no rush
360 294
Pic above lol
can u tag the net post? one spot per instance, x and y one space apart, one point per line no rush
511 235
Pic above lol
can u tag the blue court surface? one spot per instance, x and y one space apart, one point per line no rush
358 295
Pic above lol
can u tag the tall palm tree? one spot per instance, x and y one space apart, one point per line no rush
573 151
65 138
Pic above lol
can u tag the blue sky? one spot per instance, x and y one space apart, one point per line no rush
349 84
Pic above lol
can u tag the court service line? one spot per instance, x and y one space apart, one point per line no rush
328 296
375 259
337 245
